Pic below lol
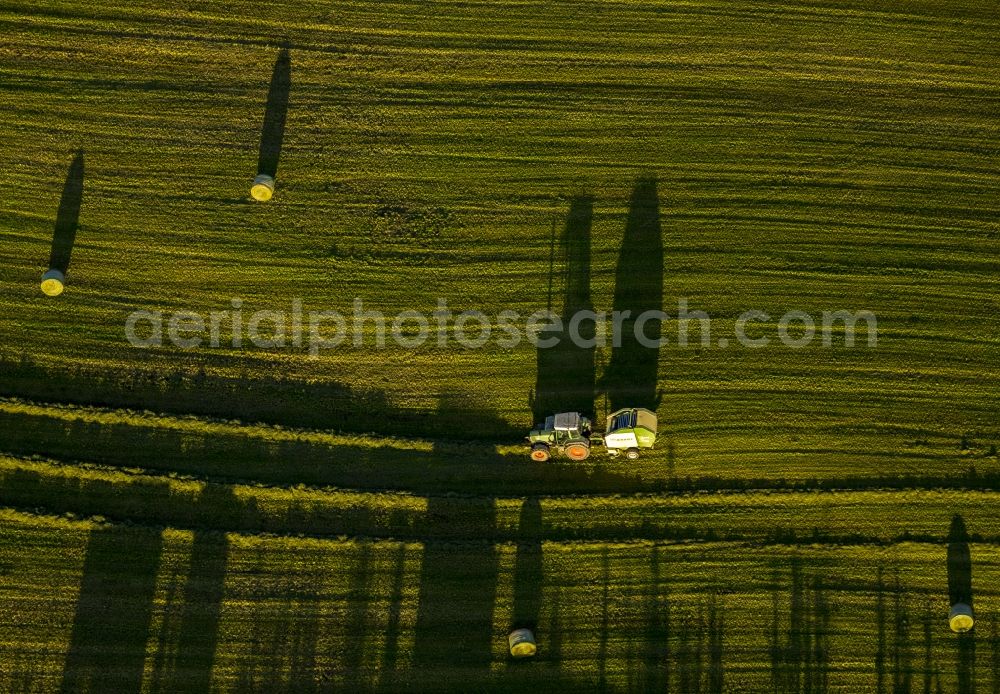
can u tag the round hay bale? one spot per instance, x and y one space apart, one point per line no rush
961 618
53 283
522 643
262 188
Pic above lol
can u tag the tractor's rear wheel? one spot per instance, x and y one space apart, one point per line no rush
632 454
540 452
577 451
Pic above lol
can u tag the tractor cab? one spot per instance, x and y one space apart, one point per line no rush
567 432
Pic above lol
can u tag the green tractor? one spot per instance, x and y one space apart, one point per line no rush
570 433
567 432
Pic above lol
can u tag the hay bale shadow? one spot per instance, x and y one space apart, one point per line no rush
68 216
272 133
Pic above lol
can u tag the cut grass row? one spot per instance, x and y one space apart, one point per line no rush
234 451
238 613
877 517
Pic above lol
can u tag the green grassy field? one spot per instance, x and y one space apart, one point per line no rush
243 519
293 614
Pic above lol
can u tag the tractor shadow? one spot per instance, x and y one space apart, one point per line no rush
68 216
108 645
633 372
273 131
567 372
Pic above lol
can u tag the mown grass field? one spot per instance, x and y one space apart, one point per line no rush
294 614
224 519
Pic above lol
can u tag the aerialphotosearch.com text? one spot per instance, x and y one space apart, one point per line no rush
318 331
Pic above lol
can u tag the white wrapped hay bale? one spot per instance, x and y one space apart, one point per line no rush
262 188
53 283
522 643
961 618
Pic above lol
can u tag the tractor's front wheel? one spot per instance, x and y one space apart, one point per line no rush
577 451
632 454
540 452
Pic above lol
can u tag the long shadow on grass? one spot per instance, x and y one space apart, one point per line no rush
605 624
283 647
201 604
931 671
698 656
959 563
633 371
902 652
689 653
108 646
458 582
458 576
231 456
657 657
528 571
683 644
894 666
995 653
716 630
394 625
273 131
960 590
68 216
881 617
359 597
966 670
263 397
800 656
567 371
